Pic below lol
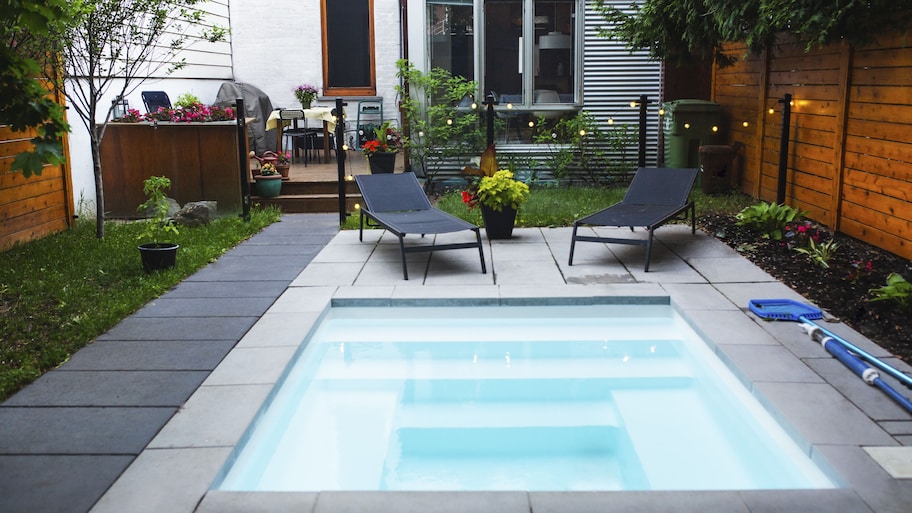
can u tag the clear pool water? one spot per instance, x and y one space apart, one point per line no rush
609 397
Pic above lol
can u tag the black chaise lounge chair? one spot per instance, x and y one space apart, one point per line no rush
655 196
397 203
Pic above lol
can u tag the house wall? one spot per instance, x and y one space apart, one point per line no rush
850 133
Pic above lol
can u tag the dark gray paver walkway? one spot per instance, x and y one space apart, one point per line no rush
66 438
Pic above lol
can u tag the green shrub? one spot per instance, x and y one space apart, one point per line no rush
819 254
897 289
769 219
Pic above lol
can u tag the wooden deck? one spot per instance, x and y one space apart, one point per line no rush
313 188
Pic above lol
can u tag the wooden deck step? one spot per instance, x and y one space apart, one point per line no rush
310 197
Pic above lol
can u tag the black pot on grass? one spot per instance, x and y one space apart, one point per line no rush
157 256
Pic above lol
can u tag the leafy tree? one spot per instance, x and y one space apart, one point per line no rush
688 30
107 44
25 103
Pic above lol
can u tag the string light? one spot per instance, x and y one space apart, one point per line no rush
686 125
715 128
745 124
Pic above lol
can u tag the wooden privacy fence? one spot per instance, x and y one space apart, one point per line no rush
850 142
33 207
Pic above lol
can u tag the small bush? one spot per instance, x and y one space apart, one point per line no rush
769 219
897 289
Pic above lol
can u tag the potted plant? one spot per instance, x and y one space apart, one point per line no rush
499 196
305 93
381 151
157 253
269 181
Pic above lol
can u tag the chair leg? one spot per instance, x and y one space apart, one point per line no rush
572 244
404 262
484 269
361 227
649 248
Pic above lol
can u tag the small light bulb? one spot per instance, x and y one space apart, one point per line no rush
633 105
610 121
745 124
531 124
582 133
357 206
686 125
772 111
661 112
474 105
509 105
344 147
715 128
449 122
421 133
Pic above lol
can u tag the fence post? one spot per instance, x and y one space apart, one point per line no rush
243 159
786 102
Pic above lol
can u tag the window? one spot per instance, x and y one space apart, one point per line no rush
451 37
348 47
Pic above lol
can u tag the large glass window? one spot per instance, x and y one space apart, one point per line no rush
451 37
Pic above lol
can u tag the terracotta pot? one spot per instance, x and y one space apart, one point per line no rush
283 170
498 225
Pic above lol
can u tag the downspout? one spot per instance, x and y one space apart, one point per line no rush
404 54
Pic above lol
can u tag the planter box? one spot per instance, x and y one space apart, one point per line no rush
201 159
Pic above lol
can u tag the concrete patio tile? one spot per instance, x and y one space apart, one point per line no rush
350 237
697 296
897 461
205 307
700 245
587 272
820 414
729 327
149 355
729 270
252 366
871 400
217 289
767 363
109 388
172 480
612 290
56 483
319 274
520 235
215 416
870 481
66 430
344 253
280 329
664 267
527 273
806 501
422 502
488 292
375 292
185 328
380 272
303 300
623 502
741 293
250 502
457 268
520 251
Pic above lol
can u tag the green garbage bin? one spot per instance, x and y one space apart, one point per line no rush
716 174
687 125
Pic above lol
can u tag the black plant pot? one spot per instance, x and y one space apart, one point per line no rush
498 225
382 162
158 255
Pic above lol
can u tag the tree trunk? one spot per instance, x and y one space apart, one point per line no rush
99 187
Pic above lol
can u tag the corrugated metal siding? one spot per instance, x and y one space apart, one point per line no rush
613 77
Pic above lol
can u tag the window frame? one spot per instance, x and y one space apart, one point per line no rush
329 89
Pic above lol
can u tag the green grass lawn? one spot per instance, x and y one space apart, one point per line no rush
59 293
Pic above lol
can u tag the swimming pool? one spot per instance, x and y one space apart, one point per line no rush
601 397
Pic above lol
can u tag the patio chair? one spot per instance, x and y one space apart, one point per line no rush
655 196
397 203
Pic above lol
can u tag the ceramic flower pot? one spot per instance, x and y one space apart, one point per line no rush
269 186
382 162
498 225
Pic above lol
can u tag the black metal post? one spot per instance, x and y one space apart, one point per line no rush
786 102
489 117
641 157
243 158
340 157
